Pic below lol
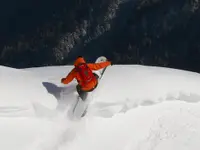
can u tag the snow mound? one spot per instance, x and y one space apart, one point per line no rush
168 125
20 92
126 87
133 108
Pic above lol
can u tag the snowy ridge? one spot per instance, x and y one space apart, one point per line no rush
143 86
20 90
134 108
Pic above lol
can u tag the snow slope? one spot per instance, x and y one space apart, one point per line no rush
133 108
21 94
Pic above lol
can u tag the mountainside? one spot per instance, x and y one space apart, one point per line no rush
134 107
148 32
43 33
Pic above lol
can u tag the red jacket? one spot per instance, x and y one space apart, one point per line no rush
73 74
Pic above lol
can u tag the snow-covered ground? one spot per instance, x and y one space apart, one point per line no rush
134 108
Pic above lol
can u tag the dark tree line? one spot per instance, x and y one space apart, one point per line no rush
162 33
149 32
38 33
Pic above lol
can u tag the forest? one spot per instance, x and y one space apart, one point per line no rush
148 32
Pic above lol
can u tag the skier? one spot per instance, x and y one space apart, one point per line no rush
82 72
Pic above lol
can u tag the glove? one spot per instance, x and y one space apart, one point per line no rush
62 80
110 62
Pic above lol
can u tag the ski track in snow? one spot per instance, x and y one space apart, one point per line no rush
140 108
